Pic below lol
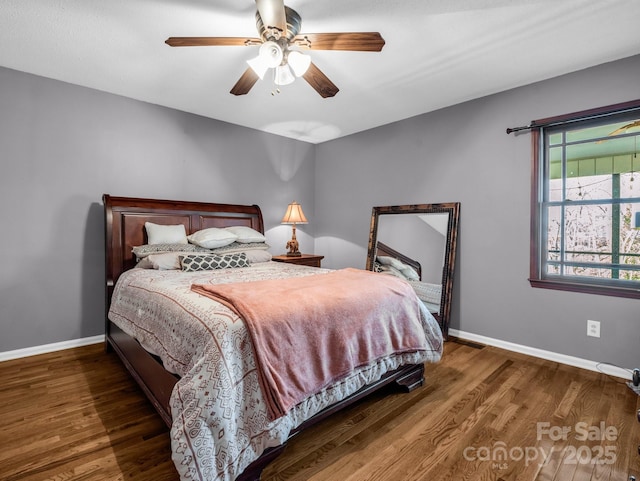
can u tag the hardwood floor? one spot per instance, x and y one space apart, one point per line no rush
77 414
483 414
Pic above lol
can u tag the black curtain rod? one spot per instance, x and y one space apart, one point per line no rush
578 118
518 129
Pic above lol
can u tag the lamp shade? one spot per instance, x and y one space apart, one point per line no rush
259 66
272 53
270 56
282 75
299 62
294 214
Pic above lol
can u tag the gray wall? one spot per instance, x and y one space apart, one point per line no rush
463 154
63 146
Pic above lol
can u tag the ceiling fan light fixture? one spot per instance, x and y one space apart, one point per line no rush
283 75
299 62
259 66
272 53
269 56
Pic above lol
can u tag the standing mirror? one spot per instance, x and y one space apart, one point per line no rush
418 243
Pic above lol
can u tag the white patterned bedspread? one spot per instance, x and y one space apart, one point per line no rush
220 422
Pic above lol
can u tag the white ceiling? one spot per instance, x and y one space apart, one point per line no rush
437 53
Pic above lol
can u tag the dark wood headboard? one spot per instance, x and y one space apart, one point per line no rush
124 219
385 250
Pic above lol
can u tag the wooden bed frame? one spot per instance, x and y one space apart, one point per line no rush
124 229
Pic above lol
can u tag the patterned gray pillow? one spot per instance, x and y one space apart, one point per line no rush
144 250
237 247
207 262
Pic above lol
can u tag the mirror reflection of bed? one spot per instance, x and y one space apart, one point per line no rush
418 243
392 262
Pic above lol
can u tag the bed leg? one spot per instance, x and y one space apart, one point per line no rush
107 346
412 379
254 470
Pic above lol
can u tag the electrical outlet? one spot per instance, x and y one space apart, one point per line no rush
593 328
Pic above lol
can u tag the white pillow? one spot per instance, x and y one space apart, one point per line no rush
212 237
246 234
388 269
165 234
257 256
391 261
410 273
407 271
165 261
144 264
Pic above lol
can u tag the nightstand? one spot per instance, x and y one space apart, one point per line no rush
303 259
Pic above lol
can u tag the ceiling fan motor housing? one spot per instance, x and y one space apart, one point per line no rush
294 23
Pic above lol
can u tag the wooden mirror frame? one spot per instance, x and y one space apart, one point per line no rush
451 208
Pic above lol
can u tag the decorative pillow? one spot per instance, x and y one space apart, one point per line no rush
237 247
246 234
257 256
144 250
212 237
166 261
203 262
165 234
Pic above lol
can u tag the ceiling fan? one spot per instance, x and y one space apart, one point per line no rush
279 29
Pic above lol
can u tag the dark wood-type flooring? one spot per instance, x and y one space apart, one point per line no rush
77 415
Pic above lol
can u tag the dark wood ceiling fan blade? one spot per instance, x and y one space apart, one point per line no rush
272 14
245 82
212 41
320 82
355 41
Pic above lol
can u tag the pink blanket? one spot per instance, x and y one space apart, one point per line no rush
310 332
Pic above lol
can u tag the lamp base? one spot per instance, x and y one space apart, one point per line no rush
293 254
292 245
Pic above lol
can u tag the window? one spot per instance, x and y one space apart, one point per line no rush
586 202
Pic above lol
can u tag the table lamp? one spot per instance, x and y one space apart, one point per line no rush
293 216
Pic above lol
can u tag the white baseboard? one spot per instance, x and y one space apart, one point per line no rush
508 346
550 356
56 346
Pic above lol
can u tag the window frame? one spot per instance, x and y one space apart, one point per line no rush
538 180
